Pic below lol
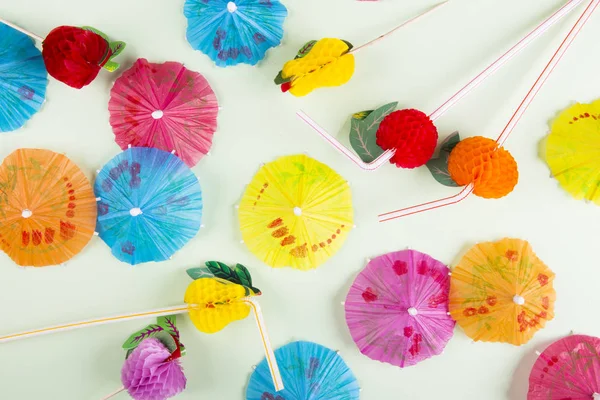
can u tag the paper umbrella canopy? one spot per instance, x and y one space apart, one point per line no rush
573 151
502 292
397 308
23 79
149 205
296 212
47 208
567 369
309 371
237 31
165 106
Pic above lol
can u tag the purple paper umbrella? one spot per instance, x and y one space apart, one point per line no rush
397 308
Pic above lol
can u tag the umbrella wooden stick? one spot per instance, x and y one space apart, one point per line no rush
179 309
113 394
510 126
25 31
448 104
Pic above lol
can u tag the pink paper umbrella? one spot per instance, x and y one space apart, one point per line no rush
397 308
165 106
569 369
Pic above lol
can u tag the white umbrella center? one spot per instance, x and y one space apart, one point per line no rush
297 211
412 311
158 114
26 213
135 211
519 300
231 7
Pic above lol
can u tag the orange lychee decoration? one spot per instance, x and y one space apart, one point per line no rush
480 161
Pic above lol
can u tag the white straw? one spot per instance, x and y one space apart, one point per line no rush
25 31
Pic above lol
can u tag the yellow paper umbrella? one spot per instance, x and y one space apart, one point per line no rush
296 212
47 208
573 151
501 292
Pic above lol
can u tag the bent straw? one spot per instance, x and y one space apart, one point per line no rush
25 31
560 52
180 309
405 23
489 71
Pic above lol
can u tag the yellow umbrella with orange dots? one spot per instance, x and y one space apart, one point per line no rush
573 151
296 212
502 292
47 208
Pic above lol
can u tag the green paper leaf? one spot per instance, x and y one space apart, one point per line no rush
134 340
169 324
304 50
243 275
350 45
96 31
168 340
363 133
200 272
111 66
128 353
279 79
439 166
116 48
220 270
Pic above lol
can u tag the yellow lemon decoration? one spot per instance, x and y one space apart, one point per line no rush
216 303
324 63
573 151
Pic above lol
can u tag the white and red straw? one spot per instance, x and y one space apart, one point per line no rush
180 309
560 52
447 105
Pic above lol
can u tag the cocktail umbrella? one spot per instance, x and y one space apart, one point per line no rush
502 292
573 151
23 79
296 212
47 208
568 369
309 371
397 308
165 106
149 205
233 32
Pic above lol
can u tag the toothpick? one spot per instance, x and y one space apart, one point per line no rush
116 392
405 23
25 31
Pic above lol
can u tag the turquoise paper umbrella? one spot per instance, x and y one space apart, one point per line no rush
309 372
233 32
149 205
23 79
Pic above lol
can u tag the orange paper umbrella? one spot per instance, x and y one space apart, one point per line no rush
501 292
47 208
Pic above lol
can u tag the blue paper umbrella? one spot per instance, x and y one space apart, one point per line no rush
149 205
23 79
233 32
309 372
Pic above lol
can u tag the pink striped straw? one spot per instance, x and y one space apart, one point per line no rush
489 71
560 52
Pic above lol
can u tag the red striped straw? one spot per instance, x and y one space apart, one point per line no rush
562 49
489 71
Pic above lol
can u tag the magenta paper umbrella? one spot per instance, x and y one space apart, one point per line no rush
397 308
569 369
165 106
